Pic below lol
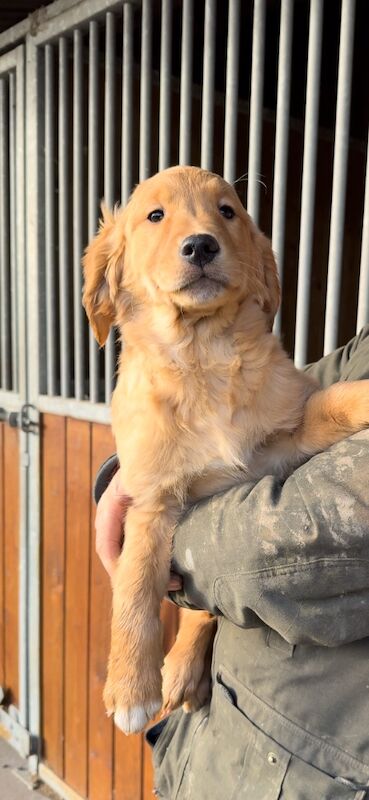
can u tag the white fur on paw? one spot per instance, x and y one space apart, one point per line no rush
134 720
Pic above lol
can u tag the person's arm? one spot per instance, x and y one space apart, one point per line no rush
295 554
347 363
112 505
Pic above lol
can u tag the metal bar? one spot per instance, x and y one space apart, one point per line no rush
146 90
93 181
109 163
342 135
35 258
5 323
22 360
165 84
185 114
207 113
109 111
308 180
10 401
231 98
13 232
363 297
256 110
127 103
78 191
281 140
8 62
78 409
51 266
63 179
19 160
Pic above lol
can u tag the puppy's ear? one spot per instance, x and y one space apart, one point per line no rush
269 292
103 270
271 280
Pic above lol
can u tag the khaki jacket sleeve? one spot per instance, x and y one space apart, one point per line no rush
295 554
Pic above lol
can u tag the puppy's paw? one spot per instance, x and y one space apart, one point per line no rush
132 696
135 719
186 681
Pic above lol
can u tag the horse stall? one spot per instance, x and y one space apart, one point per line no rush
96 95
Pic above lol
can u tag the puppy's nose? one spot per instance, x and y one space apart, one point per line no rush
199 249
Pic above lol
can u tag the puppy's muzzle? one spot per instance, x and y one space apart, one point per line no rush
199 249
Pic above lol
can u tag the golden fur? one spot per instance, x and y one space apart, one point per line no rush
206 397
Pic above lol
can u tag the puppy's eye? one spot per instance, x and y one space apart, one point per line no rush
227 212
156 216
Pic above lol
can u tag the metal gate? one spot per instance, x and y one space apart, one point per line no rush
14 445
94 96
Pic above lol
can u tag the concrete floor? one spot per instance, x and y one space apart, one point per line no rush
14 784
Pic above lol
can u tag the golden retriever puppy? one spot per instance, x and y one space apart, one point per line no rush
206 397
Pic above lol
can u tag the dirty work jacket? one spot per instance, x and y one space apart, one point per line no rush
285 566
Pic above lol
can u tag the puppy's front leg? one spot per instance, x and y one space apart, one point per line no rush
133 687
332 414
186 672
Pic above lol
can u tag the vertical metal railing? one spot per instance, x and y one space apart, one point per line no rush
308 180
13 255
282 140
146 90
109 165
208 88
5 317
165 84
363 296
185 114
50 237
341 146
256 109
93 181
63 219
78 200
231 94
127 103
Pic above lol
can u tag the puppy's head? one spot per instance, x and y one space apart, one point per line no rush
184 239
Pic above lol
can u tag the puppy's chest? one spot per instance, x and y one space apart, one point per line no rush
211 412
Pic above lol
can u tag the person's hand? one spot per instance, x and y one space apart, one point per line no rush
111 512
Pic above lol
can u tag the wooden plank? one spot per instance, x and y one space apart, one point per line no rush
53 577
147 773
77 604
11 559
128 763
100 727
169 616
127 766
2 566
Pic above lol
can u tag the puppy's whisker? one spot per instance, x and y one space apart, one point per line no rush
245 178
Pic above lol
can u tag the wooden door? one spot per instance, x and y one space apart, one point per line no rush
81 745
